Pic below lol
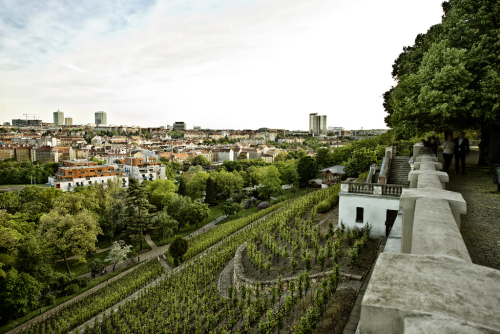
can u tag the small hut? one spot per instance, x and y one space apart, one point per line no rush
332 175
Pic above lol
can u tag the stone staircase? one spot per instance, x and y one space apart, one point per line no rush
399 170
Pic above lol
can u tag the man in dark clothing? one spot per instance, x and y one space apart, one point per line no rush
461 151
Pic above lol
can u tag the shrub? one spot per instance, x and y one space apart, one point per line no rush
71 289
177 249
279 199
82 282
249 203
263 205
95 267
238 198
48 300
328 203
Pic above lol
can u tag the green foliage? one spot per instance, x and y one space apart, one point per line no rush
449 79
19 292
182 187
178 247
201 160
139 213
360 161
327 204
211 195
306 169
270 183
196 213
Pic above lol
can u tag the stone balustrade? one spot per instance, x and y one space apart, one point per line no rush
431 286
394 190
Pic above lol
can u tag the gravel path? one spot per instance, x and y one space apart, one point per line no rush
480 227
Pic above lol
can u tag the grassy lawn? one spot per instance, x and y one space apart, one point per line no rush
78 268
289 194
103 241
215 212
13 323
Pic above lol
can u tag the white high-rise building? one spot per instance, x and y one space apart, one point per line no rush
58 117
317 124
101 118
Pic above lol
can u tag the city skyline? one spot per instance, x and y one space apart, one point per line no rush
214 63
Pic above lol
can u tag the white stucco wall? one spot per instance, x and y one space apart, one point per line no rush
375 210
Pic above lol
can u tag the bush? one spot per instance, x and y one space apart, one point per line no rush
48 300
71 289
178 247
249 203
279 199
238 198
82 282
362 177
263 205
327 204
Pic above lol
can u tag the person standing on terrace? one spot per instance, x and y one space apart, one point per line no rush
448 150
461 151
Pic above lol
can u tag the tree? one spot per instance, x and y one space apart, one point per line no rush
296 182
323 158
182 187
69 232
178 247
197 184
450 78
19 292
161 192
118 253
138 212
211 195
164 225
237 207
270 183
201 160
243 156
197 212
177 209
306 169
360 162
95 267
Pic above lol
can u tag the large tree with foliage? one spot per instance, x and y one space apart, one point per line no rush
450 78
270 183
196 213
211 195
139 213
164 225
306 169
69 231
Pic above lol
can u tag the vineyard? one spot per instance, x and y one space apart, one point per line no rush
187 300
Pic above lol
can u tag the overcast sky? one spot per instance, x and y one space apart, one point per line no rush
214 63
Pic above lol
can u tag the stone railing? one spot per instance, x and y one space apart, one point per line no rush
240 279
390 152
430 285
393 190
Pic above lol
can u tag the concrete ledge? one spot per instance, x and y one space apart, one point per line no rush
428 165
429 181
407 202
435 231
413 176
454 291
426 324
426 158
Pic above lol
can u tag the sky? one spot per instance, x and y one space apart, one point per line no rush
220 64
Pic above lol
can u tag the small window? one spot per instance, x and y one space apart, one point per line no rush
359 215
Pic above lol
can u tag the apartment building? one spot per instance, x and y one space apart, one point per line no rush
7 152
142 168
46 153
80 173
24 152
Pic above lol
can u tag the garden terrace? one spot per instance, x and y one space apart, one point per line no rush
429 284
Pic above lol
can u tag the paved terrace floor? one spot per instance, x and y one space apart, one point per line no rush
480 227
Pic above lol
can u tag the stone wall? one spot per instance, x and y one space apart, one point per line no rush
431 286
240 279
